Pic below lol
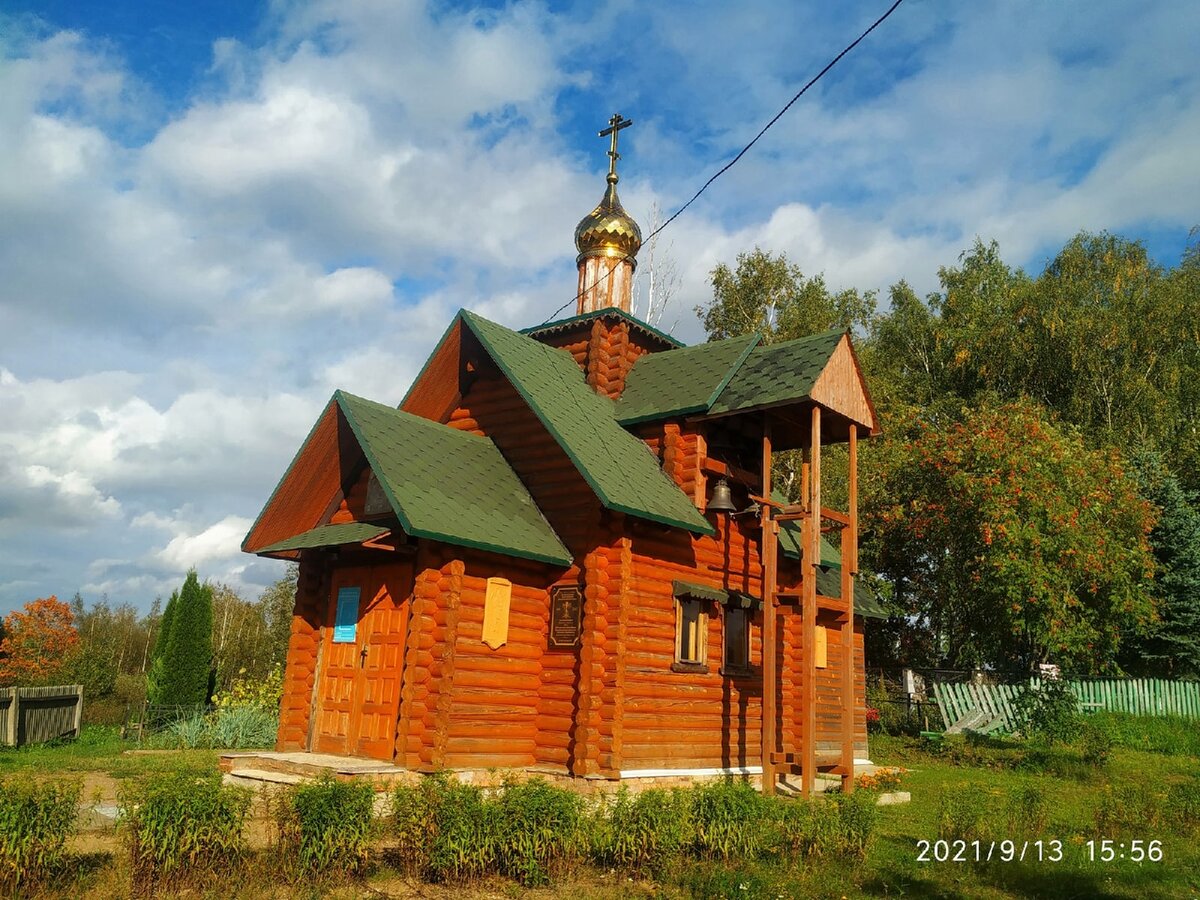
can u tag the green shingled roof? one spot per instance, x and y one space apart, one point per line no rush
327 536
676 382
448 485
777 374
619 467
608 312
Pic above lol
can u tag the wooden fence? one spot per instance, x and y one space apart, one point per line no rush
31 715
988 707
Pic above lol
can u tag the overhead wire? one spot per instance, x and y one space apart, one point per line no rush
729 165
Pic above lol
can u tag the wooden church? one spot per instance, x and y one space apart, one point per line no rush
563 553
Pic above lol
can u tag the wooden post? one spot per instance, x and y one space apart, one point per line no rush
849 570
770 546
14 717
78 723
812 554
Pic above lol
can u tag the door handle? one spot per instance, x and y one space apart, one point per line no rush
362 658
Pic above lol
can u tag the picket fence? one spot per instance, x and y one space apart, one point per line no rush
31 715
989 707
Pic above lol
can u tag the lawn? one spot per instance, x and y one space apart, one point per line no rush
1067 799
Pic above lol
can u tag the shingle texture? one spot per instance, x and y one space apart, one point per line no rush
328 536
778 373
676 382
611 312
449 485
619 467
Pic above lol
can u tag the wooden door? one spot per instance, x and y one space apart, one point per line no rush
385 624
358 689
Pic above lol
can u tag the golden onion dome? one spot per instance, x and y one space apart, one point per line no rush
608 230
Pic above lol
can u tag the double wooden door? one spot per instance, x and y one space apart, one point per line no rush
362 661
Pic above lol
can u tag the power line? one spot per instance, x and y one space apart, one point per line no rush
729 165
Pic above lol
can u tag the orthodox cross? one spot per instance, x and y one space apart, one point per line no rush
615 124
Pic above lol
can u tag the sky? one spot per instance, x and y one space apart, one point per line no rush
214 214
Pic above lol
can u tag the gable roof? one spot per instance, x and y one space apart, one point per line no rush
618 466
778 373
327 536
611 312
443 484
686 380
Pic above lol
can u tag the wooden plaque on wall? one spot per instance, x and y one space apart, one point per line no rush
566 616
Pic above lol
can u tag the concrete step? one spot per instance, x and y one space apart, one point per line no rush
259 778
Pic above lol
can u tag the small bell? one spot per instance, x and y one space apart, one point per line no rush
722 498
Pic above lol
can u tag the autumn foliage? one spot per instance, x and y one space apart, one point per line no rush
36 643
1008 535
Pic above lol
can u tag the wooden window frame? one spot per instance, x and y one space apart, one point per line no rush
700 665
727 668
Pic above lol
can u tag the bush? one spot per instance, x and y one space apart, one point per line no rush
807 828
1049 712
645 832
179 825
1095 742
326 825
730 820
35 821
260 693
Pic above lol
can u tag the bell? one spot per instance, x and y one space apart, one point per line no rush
722 498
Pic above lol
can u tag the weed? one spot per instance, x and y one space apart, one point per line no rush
1095 742
326 826
857 815
414 808
729 819
963 812
1129 809
645 832
178 825
1027 810
35 821
807 827
538 827
1183 804
464 840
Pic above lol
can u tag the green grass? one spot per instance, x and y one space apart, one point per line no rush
98 749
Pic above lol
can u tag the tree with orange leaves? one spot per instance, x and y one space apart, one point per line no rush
36 642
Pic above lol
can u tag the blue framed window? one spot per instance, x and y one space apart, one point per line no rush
346 623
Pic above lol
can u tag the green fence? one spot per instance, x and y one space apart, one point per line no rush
988 707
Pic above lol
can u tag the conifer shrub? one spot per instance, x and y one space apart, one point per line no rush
181 673
35 822
326 827
182 826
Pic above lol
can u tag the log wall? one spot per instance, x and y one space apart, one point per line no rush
299 677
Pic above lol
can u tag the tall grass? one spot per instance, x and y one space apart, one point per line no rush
1172 735
729 819
35 822
644 832
327 826
230 728
539 828
181 826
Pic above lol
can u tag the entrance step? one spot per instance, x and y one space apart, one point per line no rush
260 778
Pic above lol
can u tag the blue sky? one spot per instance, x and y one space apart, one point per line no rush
212 215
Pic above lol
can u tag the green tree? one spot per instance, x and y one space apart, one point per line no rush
277 604
1171 646
181 673
1008 540
768 294
154 678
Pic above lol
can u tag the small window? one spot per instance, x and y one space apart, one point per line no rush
691 623
346 622
737 639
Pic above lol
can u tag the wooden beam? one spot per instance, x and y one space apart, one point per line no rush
849 570
812 557
770 550
728 470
